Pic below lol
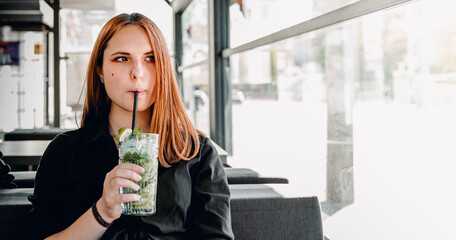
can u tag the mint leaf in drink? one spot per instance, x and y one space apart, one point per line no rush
127 155
136 156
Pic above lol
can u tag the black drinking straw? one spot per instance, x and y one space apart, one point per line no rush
135 103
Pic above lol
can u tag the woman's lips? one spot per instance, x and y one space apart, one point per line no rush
139 91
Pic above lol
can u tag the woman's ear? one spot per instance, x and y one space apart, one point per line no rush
100 75
99 71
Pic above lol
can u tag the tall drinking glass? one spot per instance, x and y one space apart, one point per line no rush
141 149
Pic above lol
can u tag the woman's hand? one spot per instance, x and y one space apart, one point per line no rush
122 175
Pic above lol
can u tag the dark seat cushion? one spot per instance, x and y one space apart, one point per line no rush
249 176
24 179
33 134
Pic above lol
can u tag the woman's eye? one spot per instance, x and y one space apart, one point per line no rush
150 59
120 59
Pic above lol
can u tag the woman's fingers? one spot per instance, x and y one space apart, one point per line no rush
131 166
122 182
125 170
123 175
127 197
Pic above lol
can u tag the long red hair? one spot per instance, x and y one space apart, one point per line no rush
178 137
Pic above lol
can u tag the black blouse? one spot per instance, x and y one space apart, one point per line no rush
193 199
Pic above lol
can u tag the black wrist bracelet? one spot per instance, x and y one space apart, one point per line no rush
98 217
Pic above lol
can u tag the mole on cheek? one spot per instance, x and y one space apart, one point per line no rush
113 74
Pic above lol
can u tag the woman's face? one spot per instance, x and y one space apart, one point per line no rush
128 66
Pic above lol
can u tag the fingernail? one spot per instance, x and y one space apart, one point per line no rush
137 187
137 196
141 169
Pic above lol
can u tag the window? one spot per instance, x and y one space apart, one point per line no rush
81 28
362 114
22 86
195 69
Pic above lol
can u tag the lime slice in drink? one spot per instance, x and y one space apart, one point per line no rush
122 134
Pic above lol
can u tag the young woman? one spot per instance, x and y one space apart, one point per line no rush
80 170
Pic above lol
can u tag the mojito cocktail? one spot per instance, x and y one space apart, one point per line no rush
141 149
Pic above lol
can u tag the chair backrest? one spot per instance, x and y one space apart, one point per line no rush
265 211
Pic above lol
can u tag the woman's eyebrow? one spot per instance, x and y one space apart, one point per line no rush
121 53
126 53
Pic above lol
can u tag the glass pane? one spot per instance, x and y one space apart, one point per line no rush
22 94
195 50
196 96
195 32
361 114
252 19
76 69
78 35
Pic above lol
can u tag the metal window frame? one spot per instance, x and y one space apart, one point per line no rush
219 82
195 64
178 50
56 30
220 111
354 10
179 6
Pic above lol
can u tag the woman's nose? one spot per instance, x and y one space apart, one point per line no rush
137 71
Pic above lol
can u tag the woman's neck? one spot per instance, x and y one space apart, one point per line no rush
119 118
